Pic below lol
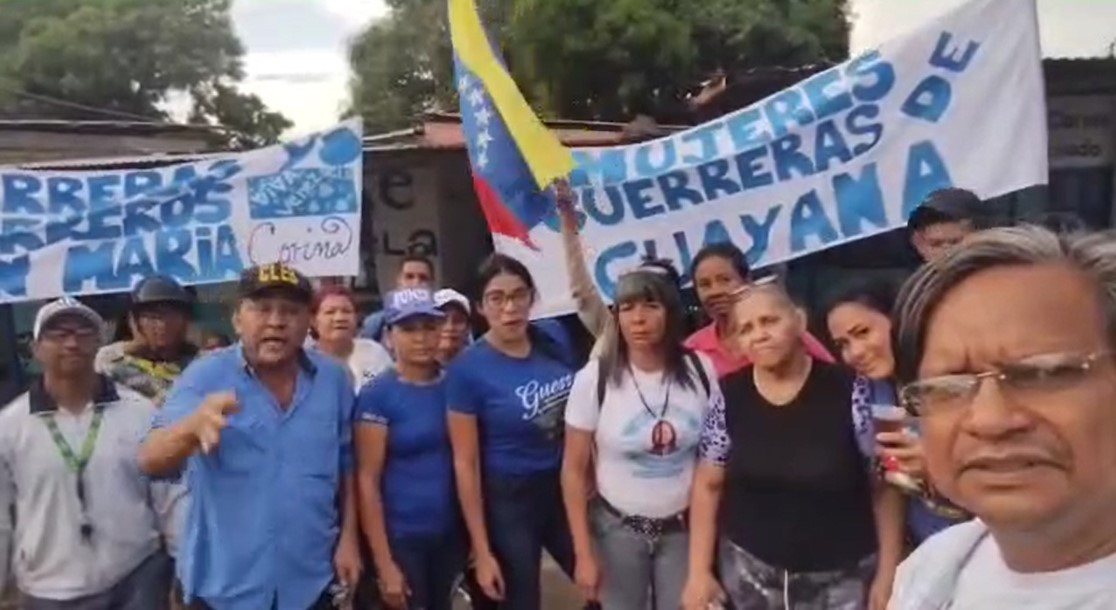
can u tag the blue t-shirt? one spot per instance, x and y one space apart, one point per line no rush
519 403
417 487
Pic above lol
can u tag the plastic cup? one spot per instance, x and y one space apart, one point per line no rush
888 418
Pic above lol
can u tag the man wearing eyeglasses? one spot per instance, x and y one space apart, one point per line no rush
86 534
1005 353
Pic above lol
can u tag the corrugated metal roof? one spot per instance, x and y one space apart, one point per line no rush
442 131
105 127
106 163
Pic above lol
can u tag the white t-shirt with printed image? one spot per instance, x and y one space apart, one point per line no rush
644 463
368 360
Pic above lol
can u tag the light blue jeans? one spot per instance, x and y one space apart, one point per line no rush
638 573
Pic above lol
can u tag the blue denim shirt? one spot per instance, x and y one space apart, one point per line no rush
263 520
373 327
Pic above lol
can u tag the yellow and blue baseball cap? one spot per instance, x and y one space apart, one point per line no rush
275 278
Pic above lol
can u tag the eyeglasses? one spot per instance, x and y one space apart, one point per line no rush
59 335
499 300
763 282
1024 380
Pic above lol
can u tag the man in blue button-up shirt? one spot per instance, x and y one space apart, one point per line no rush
262 432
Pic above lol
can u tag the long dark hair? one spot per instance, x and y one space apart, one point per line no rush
877 295
727 251
649 285
502 264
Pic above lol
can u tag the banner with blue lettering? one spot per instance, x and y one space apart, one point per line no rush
846 154
90 232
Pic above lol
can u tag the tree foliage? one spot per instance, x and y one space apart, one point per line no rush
588 59
123 58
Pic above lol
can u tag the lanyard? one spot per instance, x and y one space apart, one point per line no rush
77 463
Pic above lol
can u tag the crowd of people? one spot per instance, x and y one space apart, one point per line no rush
952 445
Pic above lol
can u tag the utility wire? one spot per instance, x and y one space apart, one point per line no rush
103 111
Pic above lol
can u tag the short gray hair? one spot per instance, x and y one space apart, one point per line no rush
1094 254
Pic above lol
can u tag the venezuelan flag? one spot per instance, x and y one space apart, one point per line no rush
514 156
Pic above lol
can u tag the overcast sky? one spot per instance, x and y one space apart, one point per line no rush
297 59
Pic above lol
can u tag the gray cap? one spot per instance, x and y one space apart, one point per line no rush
63 307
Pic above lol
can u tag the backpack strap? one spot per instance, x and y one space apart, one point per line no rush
602 383
695 362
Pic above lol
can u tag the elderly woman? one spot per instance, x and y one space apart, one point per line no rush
1004 349
781 467
334 332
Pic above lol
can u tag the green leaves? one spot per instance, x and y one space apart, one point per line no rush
591 59
126 56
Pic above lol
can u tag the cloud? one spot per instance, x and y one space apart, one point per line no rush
1068 29
309 87
297 54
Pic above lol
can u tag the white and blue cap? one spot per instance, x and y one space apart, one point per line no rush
407 303
65 307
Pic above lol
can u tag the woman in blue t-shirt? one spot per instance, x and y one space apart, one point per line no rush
860 325
507 397
405 465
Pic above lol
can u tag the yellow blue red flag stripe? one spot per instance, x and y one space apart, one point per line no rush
514 156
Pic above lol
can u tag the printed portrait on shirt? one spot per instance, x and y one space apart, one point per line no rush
660 448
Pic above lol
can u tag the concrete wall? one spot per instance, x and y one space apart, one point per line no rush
420 202
1082 134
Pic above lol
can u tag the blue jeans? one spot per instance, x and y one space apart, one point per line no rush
431 565
525 515
636 569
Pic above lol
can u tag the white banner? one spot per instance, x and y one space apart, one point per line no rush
843 155
90 232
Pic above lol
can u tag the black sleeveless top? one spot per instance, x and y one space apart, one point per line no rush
797 490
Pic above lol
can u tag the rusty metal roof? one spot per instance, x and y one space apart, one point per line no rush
105 127
442 131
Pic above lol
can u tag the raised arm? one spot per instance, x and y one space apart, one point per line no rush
591 308
187 422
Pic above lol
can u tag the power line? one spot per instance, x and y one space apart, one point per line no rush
76 106
119 114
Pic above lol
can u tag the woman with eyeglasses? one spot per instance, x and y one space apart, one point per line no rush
507 399
782 485
860 324
405 475
640 407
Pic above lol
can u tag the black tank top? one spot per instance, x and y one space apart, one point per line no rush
797 490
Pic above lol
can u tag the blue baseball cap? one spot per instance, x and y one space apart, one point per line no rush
409 303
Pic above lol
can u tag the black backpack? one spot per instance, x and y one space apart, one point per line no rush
692 362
